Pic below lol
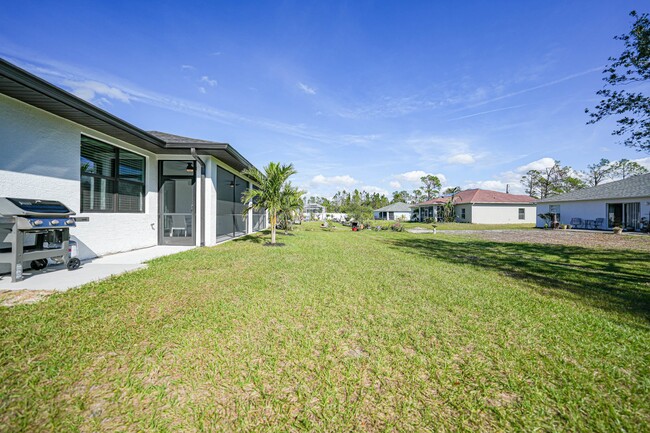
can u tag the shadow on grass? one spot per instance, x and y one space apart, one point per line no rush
613 280
255 238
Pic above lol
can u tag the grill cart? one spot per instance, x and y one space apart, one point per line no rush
32 231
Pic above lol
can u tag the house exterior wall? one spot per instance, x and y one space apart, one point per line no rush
501 213
39 158
458 210
589 209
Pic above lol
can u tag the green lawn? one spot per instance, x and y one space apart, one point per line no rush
340 331
455 226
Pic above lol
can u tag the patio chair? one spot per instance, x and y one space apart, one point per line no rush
179 225
576 222
599 222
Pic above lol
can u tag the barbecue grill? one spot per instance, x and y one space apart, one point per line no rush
31 231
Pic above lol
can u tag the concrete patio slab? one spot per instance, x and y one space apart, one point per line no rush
56 277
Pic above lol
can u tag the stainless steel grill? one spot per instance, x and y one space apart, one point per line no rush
31 231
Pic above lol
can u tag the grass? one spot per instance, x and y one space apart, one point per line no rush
455 226
340 331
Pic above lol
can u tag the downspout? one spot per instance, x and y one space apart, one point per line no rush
202 164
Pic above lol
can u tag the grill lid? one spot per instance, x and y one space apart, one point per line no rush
27 206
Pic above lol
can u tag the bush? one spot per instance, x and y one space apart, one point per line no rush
397 227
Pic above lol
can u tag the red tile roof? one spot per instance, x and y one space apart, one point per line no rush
481 196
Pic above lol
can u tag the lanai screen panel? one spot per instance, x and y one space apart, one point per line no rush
230 222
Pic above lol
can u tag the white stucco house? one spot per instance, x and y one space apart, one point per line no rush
394 211
129 188
623 203
480 206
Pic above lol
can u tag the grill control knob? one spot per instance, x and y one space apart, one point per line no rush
54 222
69 222
37 223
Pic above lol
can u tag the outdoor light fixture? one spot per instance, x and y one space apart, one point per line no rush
231 184
189 168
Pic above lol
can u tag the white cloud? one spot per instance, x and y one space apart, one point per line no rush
395 184
496 185
461 158
208 81
540 164
344 180
88 90
187 67
643 161
415 176
411 176
305 88
202 90
374 189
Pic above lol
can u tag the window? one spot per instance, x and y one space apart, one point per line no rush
554 209
462 213
112 179
522 213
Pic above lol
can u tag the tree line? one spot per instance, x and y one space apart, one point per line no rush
560 179
359 204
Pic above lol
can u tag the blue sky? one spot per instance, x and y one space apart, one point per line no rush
356 94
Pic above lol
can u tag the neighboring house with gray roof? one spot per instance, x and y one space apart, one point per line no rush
393 212
623 203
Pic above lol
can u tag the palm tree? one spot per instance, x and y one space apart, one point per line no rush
290 203
268 194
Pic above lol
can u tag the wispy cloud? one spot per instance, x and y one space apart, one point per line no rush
540 86
92 91
305 88
461 158
187 67
78 81
487 112
208 81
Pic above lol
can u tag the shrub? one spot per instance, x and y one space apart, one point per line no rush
397 227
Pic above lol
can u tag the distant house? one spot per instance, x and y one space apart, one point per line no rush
623 203
393 212
480 206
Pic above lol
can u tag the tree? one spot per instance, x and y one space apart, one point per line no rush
430 186
417 196
452 190
401 196
551 181
290 203
631 67
598 172
268 195
626 168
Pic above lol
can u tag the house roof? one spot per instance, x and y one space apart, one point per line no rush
30 89
222 151
481 196
632 187
400 206
487 196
